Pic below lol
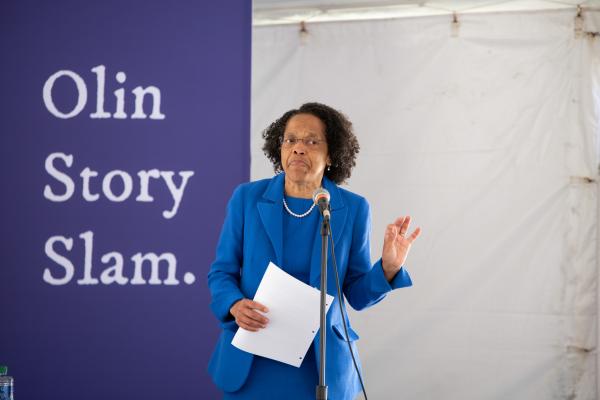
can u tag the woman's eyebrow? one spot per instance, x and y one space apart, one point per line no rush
310 134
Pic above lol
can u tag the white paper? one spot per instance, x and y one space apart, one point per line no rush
293 318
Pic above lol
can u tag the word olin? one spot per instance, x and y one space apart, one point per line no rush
114 262
82 95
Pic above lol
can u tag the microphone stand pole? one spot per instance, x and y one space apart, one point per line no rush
322 388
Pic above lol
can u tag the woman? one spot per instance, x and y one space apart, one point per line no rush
275 220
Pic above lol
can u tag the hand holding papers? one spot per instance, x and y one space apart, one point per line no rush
293 315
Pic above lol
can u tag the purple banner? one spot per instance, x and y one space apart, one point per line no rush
125 128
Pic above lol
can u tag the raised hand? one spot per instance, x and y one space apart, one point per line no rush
396 245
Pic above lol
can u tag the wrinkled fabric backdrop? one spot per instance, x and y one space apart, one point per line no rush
487 138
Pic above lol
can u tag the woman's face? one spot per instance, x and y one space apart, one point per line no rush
304 161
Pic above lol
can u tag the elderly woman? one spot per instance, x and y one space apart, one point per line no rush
275 220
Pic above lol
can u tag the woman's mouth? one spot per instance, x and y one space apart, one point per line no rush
297 163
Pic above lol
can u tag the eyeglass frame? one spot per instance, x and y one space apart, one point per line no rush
291 142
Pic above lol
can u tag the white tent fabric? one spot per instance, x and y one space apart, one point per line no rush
270 12
487 134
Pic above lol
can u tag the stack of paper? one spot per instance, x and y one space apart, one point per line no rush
294 317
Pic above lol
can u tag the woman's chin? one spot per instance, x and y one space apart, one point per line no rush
302 176
297 172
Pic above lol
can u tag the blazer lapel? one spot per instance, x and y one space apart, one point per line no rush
339 213
271 215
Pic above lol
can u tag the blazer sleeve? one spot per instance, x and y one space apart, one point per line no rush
365 284
224 274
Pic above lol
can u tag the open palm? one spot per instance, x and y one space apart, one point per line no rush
396 245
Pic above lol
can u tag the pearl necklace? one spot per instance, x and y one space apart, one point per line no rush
297 215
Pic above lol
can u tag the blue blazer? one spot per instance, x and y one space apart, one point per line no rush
252 236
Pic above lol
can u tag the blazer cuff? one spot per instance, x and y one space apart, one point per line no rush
222 307
402 279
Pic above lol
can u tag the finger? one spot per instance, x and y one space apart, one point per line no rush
250 322
253 315
391 232
257 305
398 222
414 235
389 238
243 323
247 327
405 225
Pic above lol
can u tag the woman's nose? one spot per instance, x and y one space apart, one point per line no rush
299 147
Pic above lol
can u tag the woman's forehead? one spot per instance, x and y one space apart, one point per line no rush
305 124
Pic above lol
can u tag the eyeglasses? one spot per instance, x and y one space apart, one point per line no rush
309 142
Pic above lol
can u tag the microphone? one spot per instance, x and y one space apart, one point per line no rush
321 198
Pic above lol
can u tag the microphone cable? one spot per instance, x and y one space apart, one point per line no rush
342 305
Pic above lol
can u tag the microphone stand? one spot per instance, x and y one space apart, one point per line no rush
322 388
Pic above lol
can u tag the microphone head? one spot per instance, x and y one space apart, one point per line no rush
321 195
